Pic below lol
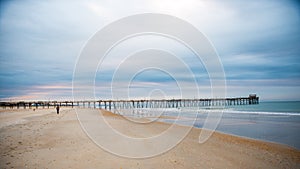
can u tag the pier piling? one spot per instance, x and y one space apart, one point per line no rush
131 104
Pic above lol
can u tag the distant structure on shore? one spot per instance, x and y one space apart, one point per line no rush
131 104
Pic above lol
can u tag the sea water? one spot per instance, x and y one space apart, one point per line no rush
269 121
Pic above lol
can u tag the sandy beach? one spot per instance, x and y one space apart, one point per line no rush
43 139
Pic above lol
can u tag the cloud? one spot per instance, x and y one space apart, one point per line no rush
37 92
258 43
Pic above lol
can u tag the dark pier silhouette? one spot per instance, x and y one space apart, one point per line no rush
131 104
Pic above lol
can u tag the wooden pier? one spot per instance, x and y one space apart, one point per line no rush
131 104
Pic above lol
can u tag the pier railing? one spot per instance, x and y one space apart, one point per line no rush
130 104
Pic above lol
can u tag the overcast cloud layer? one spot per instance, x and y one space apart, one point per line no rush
258 43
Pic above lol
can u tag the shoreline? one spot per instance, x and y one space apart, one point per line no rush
239 136
57 141
279 128
34 113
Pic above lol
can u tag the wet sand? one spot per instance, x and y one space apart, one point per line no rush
43 139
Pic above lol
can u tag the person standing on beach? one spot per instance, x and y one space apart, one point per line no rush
57 109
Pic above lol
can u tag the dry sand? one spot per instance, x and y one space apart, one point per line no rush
42 139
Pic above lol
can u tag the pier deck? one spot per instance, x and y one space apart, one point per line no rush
130 104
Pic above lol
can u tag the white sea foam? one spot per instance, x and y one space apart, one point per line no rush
231 111
265 113
174 111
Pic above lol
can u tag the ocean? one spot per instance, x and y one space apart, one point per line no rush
277 122
269 121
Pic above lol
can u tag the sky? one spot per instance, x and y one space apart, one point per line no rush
258 43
